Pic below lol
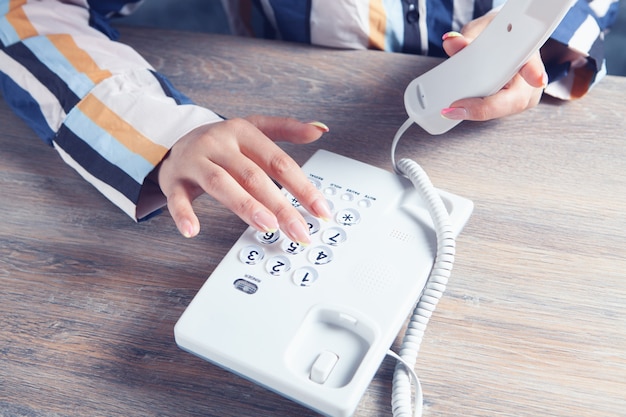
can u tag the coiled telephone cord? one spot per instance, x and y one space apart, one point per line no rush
404 373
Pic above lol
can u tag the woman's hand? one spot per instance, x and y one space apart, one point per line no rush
235 161
522 92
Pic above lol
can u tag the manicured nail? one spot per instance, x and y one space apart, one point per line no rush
454 113
298 232
321 209
265 221
544 80
186 229
450 35
321 126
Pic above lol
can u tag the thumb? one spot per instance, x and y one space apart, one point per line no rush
534 72
183 215
453 42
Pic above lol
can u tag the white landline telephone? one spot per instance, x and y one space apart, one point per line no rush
314 324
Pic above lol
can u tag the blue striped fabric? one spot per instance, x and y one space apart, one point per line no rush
440 14
26 107
293 23
97 165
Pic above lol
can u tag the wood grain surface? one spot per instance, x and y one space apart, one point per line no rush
534 319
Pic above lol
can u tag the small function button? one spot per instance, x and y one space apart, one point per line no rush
330 191
364 203
245 286
347 197
251 254
315 182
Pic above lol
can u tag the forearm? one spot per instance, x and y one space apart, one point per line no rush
97 101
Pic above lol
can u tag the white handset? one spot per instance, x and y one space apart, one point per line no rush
482 68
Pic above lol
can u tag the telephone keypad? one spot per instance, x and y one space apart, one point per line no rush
331 236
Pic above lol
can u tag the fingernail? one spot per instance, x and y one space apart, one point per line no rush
454 113
449 35
186 229
321 209
265 221
321 126
298 232
544 80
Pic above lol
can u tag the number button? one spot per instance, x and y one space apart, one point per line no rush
314 224
292 247
320 255
334 236
293 200
305 276
251 254
267 238
276 265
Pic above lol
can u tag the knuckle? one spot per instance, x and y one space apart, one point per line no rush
281 165
245 206
251 179
307 194
214 179
283 211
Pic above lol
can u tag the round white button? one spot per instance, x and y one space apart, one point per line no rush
313 223
268 237
292 247
251 254
305 276
320 255
334 236
348 217
276 265
364 203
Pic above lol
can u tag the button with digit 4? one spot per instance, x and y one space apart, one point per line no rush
320 255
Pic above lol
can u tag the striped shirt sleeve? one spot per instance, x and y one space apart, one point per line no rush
107 112
582 32
416 26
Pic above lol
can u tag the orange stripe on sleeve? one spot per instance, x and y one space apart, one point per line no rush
378 25
582 80
18 19
125 133
78 57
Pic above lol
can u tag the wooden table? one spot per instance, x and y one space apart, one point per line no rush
534 319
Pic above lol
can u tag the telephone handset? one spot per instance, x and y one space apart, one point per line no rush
519 29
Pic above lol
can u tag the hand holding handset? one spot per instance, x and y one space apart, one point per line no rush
313 324
484 66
